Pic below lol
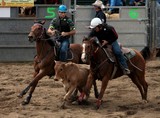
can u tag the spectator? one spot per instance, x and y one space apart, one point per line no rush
137 2
113 3
46 1
65 26
52 1
98 6
125 2
40 1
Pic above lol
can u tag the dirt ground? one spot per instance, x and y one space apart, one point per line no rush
121 99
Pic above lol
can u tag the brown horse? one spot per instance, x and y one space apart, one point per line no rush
102 68
44 61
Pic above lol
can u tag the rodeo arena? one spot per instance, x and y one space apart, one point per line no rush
34 83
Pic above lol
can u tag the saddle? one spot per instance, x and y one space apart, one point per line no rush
53 41
56 47
127 52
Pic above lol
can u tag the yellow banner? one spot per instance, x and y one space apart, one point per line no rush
16 3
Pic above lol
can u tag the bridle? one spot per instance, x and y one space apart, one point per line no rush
91 53
37 36
90 47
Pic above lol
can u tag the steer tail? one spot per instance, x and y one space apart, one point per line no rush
145 52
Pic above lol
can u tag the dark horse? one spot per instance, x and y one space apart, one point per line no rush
44 61
102 68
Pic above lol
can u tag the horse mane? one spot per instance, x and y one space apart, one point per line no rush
45 34
91 40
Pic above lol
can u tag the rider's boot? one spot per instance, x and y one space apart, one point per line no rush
126 71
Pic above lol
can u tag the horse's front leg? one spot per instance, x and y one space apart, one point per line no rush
103 88
95 89
24 91
33 86
87 88
27 88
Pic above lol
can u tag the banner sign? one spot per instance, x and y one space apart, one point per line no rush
5 12
16 3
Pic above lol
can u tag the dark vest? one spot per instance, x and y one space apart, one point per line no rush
62 25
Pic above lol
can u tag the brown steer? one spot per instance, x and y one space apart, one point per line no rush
73 76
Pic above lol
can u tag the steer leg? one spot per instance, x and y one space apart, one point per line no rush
68 95
103 88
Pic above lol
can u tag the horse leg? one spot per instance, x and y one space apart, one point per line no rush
95 89
145 88
144 85
87 88
103 88
139 81
24 91
27 88
28 98
33 85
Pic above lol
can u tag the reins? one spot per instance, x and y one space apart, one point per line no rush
41 37
46 52
90 54
97 66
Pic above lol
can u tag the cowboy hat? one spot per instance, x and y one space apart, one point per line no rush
98 3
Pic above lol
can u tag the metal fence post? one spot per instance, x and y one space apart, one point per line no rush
153 28
152 18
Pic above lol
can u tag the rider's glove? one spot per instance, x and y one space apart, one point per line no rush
64 33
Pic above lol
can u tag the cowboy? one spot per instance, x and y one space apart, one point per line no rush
65 26
106 34
98 6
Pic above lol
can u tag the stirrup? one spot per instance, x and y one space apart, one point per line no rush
126 71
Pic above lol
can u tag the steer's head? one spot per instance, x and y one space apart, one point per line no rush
59 71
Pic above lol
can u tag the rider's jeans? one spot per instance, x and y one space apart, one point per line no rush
117 51
63 50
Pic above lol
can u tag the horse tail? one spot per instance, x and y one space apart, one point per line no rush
145 52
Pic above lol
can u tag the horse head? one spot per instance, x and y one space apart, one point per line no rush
89 46
37 31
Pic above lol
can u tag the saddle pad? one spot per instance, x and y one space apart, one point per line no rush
130 54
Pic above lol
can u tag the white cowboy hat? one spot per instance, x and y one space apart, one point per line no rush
98 3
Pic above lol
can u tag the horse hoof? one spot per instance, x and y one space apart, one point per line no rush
144 101
80 98
62 107
79 102
25 102
20 96
97 107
